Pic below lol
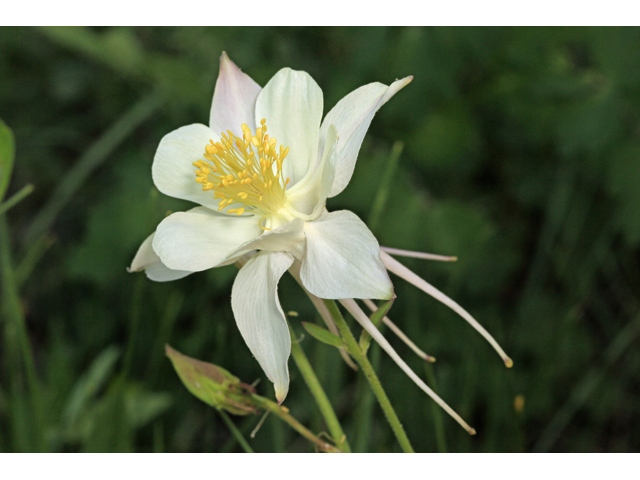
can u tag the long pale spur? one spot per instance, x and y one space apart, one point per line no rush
261 173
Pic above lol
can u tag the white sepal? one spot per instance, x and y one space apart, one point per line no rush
201 239
342 259
146 259
234 99
352 116
260 319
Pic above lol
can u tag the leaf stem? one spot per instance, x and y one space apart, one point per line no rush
319 395
357 353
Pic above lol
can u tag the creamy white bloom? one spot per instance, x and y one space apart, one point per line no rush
261 173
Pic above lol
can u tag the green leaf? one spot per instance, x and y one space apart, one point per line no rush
324 335
212 384
376 317
7 153
90 383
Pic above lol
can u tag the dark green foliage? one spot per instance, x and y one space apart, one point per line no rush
521 157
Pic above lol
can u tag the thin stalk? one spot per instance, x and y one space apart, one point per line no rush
30 260
441 439
354 349
95 156
319 395
384 188
21 194
134 322
283 413
235 432
16 331
364 407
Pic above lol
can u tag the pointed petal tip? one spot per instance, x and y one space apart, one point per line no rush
281 393
472 431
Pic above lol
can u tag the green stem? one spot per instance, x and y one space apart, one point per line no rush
354 349
134 321
441 439
235 432
16 334
320 396
283 413
22 193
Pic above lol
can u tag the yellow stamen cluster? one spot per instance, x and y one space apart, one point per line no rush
240 170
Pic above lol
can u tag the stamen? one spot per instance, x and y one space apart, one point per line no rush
245 170
396 267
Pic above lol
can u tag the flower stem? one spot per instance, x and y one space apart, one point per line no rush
283 413
320 396
236 433
354 349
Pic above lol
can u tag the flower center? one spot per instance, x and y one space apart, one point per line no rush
245 170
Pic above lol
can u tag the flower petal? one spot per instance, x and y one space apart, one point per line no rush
201 239
234 99
308 197
343 259
260 319
172 170
146 259
292 104
285 238
352 116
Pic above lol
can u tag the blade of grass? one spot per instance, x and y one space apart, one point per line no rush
235 432
90 160
441 439
7 156
382 194
15 199
18 345
585 388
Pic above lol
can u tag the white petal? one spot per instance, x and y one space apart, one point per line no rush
292 105
172 170
234 99
308 197
146 259
352 116
343 259
201 239
286 238
254 299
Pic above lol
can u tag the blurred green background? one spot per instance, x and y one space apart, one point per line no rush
521 156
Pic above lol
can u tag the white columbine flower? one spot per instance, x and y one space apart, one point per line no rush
263 171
